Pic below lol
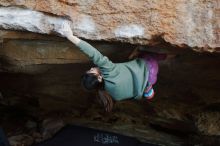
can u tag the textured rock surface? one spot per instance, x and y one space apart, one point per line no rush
40 74
208 123
193 23
20 50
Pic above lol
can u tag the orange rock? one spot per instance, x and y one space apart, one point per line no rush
183 23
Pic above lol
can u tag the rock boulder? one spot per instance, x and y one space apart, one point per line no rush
192 23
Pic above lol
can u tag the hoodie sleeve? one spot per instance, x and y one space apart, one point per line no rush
94 55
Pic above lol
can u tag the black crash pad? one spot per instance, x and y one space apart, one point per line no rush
81 136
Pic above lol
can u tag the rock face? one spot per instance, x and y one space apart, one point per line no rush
192 23
20 50
40 72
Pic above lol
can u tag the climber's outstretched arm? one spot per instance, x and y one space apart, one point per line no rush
74 39
98 59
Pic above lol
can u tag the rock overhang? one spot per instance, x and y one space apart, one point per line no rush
182 23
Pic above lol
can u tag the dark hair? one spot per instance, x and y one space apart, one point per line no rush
91 82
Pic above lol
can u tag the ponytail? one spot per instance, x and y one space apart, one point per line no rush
90 82
105 99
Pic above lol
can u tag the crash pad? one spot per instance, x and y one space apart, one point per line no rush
72 135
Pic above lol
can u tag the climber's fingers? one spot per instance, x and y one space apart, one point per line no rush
65 29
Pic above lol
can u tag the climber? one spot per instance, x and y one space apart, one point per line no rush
116 81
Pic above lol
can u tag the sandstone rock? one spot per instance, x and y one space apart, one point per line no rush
22 139
184 85
21 50
1 97
37 137
192 23
50 127
208 123
27 52
31 124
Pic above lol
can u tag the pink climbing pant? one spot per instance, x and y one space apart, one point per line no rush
151 60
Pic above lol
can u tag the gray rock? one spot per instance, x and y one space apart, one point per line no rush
51 127
31 125
20 140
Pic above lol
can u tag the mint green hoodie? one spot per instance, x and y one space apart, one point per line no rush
122 80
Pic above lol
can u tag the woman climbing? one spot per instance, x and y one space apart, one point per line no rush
116 81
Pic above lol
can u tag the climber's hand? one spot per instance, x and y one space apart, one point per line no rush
65 29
